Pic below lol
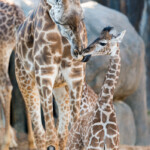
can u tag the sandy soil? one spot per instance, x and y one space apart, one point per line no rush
23 143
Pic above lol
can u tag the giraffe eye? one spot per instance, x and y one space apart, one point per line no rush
103 44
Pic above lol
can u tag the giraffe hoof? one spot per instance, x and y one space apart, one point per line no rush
51 148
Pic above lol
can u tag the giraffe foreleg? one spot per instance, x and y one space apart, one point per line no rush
31 140
9 137
75 79
45 78
62 98
30 94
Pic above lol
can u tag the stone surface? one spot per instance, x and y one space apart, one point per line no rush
145 33
126 123
131 8
138 13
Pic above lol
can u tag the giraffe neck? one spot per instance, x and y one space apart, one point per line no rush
111 78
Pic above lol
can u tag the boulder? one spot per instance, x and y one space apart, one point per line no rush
132 82
126 123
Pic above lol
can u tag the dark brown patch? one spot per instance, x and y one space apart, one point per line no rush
104 118
65 64
30 42
111 126
109 82
77 83
41 39
114 66
47 70
57 59
66 52
109 143
97 118
3 27
38 80
4 19
94 142
112 91
24 49
49 25
97 128
118 73
37 67
72 95
52 37
106 90
112 117
76 72
9 22
44 58
46 92
116 60
64 40
112 71
46 82
111 76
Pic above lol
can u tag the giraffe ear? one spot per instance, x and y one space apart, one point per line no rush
120 36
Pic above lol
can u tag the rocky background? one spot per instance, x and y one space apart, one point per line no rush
131 99
138 13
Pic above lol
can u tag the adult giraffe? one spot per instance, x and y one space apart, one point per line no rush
44 62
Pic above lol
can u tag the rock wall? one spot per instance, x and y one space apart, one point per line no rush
138 13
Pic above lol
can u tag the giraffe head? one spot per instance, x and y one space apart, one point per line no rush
68 15
104 45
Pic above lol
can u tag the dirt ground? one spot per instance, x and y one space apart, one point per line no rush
23 143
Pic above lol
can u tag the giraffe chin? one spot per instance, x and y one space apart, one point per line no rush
86 58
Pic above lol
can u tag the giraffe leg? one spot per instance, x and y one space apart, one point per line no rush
30 94
74 139
62 98
5 90
31 140
45 80
75 80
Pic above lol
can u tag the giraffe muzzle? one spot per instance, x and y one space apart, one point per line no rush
86 58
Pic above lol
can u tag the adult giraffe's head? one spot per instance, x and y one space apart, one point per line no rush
106 44
68 15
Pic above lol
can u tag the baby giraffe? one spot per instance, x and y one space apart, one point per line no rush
97 129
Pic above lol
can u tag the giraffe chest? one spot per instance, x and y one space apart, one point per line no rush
59 81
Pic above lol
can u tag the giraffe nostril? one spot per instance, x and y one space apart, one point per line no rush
76 52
